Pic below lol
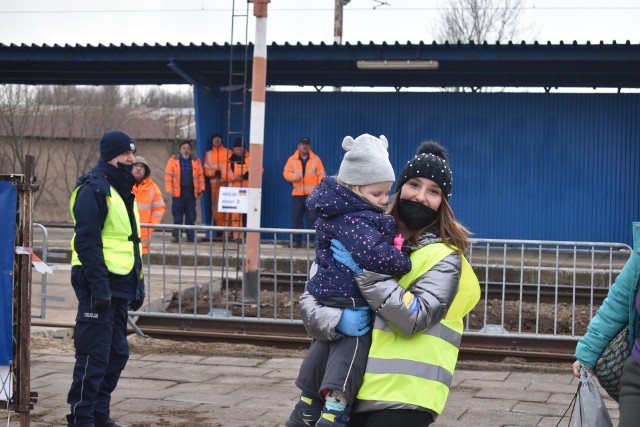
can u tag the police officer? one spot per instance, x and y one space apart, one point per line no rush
107 278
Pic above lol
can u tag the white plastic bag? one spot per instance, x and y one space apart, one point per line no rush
589 410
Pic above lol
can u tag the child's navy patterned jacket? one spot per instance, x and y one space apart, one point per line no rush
362 228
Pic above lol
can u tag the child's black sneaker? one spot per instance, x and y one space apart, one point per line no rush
305 413
330 418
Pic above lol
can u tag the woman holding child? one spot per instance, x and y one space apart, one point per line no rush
418 317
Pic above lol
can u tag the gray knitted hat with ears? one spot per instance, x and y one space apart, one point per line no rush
366 161
430 162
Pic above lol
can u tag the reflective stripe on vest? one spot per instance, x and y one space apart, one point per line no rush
172 176
417 370
117 249
299 186
437 330
209 166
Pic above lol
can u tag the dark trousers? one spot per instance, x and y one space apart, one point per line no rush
102 352
629 403
391 417
301 215
183 209
334 365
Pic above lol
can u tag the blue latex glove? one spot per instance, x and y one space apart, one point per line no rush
354 322
343 256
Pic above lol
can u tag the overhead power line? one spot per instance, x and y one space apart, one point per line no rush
275 9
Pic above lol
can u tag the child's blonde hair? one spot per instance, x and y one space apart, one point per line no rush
357 189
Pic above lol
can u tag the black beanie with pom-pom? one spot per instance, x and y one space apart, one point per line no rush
429 162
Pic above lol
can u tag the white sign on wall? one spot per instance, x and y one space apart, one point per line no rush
6 383
233 199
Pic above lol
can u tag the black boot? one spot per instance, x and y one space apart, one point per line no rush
109 423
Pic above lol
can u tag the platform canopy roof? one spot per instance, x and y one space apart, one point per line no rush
614 65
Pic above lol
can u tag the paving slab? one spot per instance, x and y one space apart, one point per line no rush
232 391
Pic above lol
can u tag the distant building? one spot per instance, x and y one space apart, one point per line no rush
64 142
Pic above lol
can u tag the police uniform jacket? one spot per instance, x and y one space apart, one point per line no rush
90 211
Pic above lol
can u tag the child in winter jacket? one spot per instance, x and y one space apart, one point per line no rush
349 208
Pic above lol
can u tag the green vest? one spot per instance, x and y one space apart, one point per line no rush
417 370
117 249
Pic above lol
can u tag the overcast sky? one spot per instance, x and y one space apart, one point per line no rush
209 21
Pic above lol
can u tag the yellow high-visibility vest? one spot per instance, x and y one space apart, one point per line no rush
418 370
117 249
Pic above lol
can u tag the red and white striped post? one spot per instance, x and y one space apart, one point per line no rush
258 92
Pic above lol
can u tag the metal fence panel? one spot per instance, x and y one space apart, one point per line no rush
532 288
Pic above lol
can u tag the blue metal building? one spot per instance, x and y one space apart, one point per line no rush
547 166
526 166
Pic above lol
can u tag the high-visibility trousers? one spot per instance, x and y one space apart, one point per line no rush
217 217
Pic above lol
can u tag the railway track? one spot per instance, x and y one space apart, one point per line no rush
292 335
473 347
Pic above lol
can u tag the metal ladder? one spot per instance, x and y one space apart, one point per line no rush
237 96
237 88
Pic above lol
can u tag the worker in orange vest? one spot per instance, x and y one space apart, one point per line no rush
151 207
236 174
215 161
304 170
184 181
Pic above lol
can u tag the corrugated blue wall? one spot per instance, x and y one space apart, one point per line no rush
525 166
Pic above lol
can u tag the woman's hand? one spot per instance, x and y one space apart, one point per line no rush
354 322
343 256
576 368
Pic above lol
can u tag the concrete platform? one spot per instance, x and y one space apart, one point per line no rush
256 390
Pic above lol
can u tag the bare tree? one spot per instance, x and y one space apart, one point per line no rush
479 21
159 97
19 104
21 111
176 125
89 112
60 126
176 122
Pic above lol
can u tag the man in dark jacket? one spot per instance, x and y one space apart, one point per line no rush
107 278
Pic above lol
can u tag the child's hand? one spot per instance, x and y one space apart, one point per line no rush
398 241
354 322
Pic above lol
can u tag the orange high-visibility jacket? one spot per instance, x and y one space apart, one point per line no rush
214 160
172 176
233 172
303 185
151 208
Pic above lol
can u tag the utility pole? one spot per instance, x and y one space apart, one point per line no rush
337 22
258 95
337 26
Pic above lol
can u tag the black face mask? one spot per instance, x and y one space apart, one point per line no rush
415 215
125 167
